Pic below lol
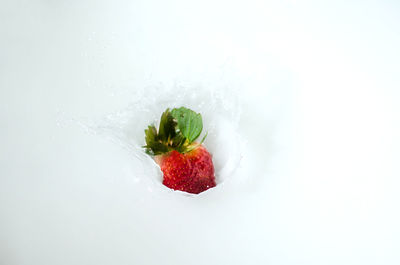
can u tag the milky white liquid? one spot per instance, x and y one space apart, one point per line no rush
220 109
300 100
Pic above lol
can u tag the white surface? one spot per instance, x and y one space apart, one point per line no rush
319 178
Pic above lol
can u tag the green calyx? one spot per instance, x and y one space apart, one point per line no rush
178 130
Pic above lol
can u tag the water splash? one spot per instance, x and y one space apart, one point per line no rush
220 108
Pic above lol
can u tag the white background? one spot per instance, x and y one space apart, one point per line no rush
319 85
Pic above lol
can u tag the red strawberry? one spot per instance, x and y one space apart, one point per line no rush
186 165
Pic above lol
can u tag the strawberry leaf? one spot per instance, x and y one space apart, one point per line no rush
178 130
190 123
166 130
153 146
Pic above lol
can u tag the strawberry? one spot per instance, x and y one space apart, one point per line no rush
186 164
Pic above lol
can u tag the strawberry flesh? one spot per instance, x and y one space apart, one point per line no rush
192 172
